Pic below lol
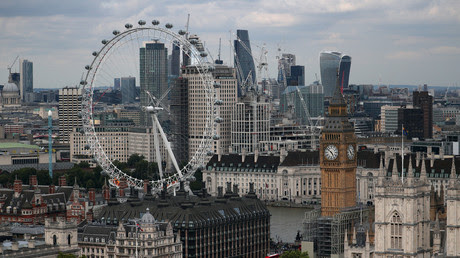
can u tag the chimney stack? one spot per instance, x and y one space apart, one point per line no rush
62 181
51 189
17 187
92 195
256 155
243 155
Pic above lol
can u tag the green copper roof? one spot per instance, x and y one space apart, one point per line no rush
15 145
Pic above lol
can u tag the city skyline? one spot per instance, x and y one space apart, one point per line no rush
413 42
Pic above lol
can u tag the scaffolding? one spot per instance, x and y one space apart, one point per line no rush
328 233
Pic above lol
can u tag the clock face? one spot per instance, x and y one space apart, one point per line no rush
350 152
331 152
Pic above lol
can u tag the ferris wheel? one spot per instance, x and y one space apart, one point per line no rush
120 57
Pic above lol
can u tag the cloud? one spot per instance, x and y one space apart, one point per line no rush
446 50
404 55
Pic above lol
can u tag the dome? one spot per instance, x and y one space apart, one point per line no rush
10 87
148 218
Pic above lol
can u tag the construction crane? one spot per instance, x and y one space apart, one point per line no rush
10 79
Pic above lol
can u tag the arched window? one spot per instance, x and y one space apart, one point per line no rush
370 186
54 240
396 231
68 239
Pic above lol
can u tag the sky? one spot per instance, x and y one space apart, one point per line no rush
390 41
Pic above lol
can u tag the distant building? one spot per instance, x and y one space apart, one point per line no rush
243 59
116 84
297 76
329 66
313 97
175 60
250 124
69 110
10 96
180 119
410 119
227 225
154 239
424 101
128 89
26 82
389 118
344 71
153 70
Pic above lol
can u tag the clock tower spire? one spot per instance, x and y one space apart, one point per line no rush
337 159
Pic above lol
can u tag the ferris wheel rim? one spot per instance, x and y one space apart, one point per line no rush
203 68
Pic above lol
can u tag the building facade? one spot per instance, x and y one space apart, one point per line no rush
424 101
26 82
69 109
329 66
128 89
243 59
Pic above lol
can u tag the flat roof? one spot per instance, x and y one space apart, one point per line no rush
14 145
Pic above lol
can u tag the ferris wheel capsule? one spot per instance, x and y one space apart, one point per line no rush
104 41
216 85
128 25
216 137
141 22
218 102
168 26
203 54
193 41
87 147
210 153
155 22
87 67
182 32
82 82
115 32
94 53
219 120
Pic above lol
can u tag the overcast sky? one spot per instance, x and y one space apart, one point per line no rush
390 41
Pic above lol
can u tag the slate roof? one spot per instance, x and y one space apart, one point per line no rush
269 163
299 158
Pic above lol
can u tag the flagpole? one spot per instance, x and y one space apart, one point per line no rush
402 153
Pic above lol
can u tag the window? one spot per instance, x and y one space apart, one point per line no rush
396 231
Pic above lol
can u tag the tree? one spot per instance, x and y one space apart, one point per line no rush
43 177
133 159
294 254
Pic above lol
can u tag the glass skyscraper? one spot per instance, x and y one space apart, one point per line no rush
153 69
333 63
128 89
26 82
243 57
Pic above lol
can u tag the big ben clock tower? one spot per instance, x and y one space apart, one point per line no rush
337 159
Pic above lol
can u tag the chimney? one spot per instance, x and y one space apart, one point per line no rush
256 155
243 155
31 243
219 155
33 180
51 189
121 192
17 187
106 190
62 181
146 186
441 153
92 195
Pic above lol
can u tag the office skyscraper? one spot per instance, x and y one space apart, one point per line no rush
128 89
243 58
69 107
153 68
424 101
26 82
175 59
344 72
329 66
297 77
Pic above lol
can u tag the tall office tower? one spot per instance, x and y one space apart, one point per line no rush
297 77
179 118
128 89
329 66
175 60
243 60
153 68
344 71
389 118
26 82
410 118
338 160
69 107
250 124
422 100
228 94
116 84
402 209
197 110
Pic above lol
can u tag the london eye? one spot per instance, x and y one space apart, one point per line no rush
119 57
